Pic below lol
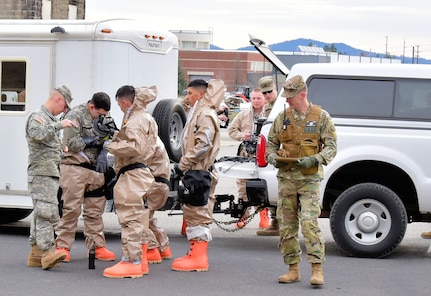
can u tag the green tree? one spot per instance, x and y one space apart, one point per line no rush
331 48
182 81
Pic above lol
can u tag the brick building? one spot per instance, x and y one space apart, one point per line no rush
42 9
236 68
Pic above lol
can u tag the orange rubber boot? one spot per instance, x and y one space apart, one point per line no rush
195 260
153 256
144 260
183 227
124 269
102 253
64 250
264 219
166 253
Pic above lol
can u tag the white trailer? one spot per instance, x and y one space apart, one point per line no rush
87 56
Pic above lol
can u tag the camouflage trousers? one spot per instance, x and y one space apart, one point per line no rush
298 203
43 190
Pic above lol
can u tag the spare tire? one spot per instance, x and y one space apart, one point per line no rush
171 118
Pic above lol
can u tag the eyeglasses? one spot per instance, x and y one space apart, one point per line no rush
267 92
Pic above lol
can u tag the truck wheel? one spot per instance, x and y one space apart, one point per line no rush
368 220
13 215
171 118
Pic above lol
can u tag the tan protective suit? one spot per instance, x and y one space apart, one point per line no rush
75 180
134 143
157 196
200 145
244 122
159 164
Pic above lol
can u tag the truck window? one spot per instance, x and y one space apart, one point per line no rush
353 97
413 100
12 86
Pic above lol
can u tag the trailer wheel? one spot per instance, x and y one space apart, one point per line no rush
13 215
368 220
171 118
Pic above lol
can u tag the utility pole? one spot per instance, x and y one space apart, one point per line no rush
386 53
404 49
413 55
417 55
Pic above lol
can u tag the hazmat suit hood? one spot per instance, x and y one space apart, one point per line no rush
145 95
214 94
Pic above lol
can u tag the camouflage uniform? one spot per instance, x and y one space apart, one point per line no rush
298 192
76 180
44 144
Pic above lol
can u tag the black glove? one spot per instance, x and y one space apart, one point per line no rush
91 141
102 162
177 170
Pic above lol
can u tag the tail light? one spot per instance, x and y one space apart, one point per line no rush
260 151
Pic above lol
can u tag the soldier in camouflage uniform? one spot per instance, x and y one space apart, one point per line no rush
44 145
82 174
302 139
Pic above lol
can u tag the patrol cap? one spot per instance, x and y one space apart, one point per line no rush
266 83
65 91
293 86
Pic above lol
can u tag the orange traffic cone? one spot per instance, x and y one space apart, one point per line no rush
195 260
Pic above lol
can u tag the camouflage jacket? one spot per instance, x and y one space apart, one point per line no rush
73 137
42 133
328 138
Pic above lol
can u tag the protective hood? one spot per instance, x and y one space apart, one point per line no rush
145 95
215 93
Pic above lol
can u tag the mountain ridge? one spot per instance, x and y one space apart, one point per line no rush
342 48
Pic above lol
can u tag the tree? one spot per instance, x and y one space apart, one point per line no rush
331 48
182 81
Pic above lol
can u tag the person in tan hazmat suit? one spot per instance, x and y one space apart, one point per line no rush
243 128
155 237
200 146
133 146
82 171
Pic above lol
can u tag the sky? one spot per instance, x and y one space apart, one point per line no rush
379 26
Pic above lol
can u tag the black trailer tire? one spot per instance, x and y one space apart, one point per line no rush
368 220
171 118
12 215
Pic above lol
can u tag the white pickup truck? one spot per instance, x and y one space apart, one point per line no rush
380 179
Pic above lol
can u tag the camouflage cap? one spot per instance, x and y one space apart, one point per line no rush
293 86
65 91
266 83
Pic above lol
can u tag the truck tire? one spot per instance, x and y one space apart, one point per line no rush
12 215
368 220
171 118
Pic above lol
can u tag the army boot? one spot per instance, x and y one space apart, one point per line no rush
272 230
51 259
316 274
426 235
292 276
35 257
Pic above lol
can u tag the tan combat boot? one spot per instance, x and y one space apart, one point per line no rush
426 235
51 259
35 257
292 276
316 274
272 230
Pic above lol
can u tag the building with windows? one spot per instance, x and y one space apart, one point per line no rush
42 9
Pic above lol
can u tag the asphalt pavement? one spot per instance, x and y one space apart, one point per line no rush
241 263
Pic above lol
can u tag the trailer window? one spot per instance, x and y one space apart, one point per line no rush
12 86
